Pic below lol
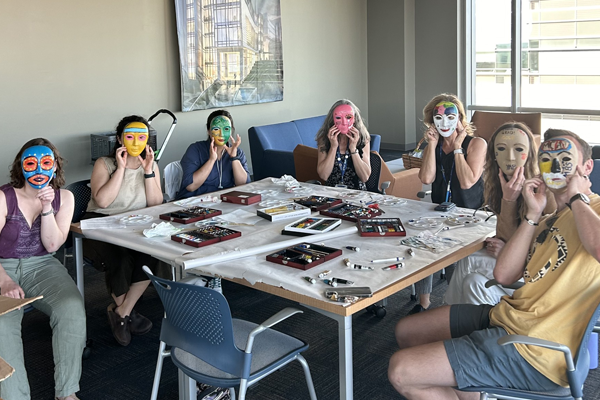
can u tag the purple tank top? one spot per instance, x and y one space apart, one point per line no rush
17 240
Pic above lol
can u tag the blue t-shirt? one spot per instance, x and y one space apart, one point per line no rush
195 157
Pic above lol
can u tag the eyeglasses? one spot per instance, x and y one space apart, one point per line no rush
487 210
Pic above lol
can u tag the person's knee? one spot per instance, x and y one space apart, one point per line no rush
406 332
71 310
398 371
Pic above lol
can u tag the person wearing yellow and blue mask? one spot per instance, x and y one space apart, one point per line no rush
216 163
35 216
126 181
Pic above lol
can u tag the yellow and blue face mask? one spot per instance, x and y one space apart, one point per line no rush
38 165
557 159
135 137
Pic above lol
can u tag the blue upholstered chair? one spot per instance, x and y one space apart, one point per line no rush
595 177
272 146
577 368
211 347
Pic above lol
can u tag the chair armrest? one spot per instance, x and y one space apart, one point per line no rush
422 195
493 282
511 339
275 319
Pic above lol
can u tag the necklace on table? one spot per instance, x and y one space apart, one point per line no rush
220 169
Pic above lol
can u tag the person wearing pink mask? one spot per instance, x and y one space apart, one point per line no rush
344 149
452 164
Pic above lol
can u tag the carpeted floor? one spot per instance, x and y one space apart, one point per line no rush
115 372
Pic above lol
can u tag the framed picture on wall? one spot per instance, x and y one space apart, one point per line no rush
230 52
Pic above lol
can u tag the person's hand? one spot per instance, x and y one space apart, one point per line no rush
121 157
493 246
511 190
148 162
432 136
232 151
353 136
534 194
332 135
461 135
46 196
212 154
578 183
9 288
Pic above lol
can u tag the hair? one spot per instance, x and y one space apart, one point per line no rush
492 189
17 179
428 111
586 150
323 140
121 127
215 114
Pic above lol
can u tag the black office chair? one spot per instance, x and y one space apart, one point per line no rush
373 182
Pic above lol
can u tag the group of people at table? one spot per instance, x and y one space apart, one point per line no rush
547 235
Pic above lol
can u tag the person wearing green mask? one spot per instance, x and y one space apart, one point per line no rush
216 163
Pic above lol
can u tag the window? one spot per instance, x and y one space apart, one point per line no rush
556 69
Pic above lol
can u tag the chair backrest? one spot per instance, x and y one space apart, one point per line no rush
595 177
82 192
198 320
373 182
173 174
305 163
487 122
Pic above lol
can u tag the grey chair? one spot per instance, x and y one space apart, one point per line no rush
211 347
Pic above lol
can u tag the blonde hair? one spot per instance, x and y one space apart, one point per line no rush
323 140
447 97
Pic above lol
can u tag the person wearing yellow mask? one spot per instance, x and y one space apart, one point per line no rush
216 163
126 181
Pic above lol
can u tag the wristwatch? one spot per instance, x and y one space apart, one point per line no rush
578 196
459 151
151 175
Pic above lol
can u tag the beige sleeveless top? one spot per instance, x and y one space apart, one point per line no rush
132 195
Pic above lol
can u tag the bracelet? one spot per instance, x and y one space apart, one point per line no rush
530 222
45 214
354 152
148 176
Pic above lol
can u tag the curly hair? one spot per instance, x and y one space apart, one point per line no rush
17 179
215 114
447 97
492 189
323 141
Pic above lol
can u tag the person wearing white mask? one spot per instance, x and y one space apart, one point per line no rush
452 164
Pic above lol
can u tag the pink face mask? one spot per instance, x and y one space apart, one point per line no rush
343 118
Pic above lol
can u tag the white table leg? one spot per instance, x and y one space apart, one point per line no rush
78 257
345 353
187 387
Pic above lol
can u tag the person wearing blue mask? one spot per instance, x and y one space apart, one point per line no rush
35 215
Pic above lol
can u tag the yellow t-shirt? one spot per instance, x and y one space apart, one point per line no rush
561 292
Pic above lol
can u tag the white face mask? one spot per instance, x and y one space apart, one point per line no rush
445 118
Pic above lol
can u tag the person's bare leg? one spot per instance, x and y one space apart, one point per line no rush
425 300
426 327
126 302
406 372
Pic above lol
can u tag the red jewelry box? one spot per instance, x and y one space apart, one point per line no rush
381 227
241 197
205 236
318 203
350 212
298 256
189 215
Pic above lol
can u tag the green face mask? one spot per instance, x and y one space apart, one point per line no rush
220 130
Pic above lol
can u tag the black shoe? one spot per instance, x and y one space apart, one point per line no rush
417 309
119 326
140 325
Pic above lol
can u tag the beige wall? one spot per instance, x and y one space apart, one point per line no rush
71 68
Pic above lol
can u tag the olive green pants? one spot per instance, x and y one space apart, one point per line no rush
62 302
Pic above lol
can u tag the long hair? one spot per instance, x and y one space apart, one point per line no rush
214 114
428 111
492 191
323 140
17 179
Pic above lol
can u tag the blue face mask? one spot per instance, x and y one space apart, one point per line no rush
38 166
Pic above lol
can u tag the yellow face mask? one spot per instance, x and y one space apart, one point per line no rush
135 137
557 159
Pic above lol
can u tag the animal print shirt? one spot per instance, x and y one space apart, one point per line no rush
561 292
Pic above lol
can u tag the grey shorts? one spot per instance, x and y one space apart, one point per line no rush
478 360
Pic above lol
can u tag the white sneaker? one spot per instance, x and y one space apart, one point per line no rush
215 284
